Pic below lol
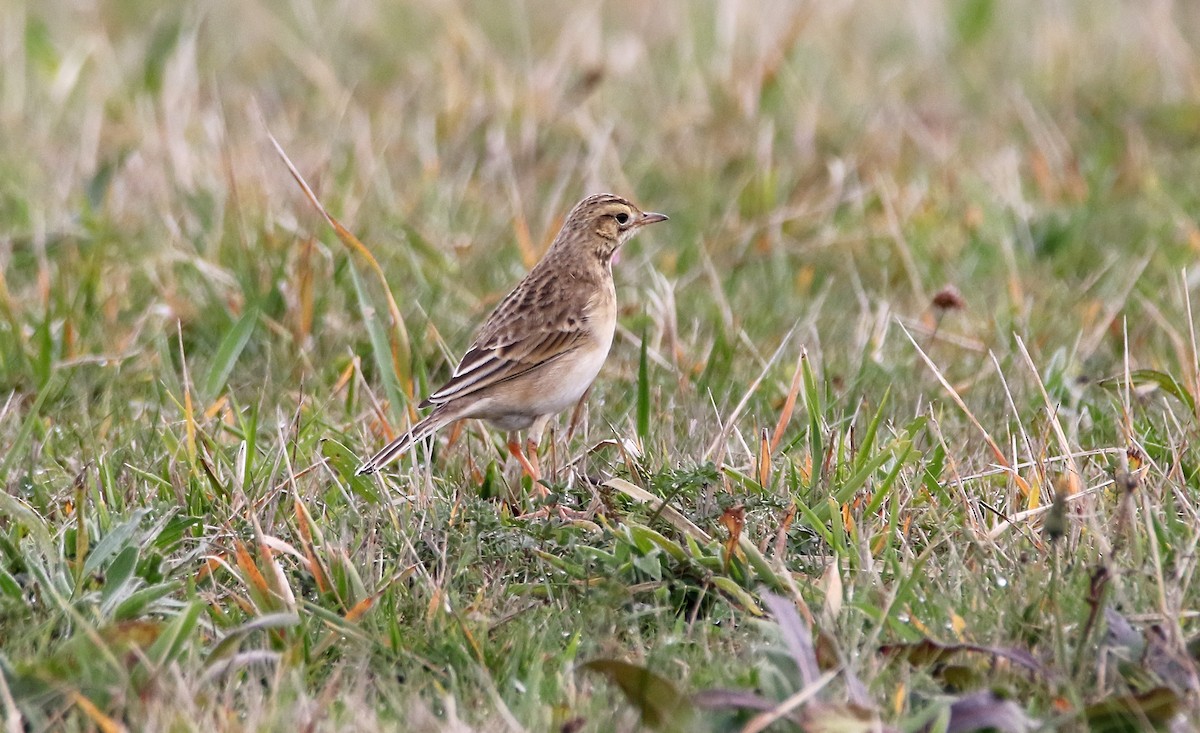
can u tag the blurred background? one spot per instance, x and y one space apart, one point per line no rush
877 149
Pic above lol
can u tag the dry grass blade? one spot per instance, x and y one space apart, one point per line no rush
1048 459
785 414
958 400
1074 477
762 721
360 608
253 577
667 512
1113 307
189 411
1012 520
278 580
940 334
764 460
719 441
1034 462
401 349
316 565
103 722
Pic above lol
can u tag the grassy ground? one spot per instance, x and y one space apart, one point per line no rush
986 511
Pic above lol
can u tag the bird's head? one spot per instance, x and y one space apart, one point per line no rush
602 223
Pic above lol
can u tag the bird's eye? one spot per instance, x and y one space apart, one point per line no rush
622 218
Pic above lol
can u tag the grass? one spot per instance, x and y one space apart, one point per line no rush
821 500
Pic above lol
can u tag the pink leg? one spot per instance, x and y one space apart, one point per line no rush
530 467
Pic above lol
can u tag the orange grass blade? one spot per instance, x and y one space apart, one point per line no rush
764 460
1074 476
937 373
401 349
102 721
789 405
253 577
315 566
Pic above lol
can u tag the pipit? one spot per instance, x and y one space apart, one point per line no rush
544 344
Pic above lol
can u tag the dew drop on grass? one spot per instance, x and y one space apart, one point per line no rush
1002 581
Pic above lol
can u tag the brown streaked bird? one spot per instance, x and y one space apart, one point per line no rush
544 344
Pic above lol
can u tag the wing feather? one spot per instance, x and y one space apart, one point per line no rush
519 336
487 365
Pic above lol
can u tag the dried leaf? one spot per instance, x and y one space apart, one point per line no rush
796 634
789 404
831 583
1119 634
313 561
1133 712
820 717
661 705
927 652
781 533
250 573
733 520
1171 665
985 710
764 460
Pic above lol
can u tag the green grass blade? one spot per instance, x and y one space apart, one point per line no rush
113 542
13 450
228 351
381 350
43 362
868 439
816 429
171 643
139 602
1162 380
19 512
643 393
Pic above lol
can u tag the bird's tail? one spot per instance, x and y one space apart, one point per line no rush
432 422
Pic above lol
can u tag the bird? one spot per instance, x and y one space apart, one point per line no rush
543 345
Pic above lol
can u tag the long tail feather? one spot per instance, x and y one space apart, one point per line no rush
433 422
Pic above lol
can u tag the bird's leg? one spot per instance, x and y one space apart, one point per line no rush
533 440
530 468
531 453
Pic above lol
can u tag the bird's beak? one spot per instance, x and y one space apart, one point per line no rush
650 217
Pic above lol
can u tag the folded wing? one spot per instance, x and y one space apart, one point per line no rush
503 357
